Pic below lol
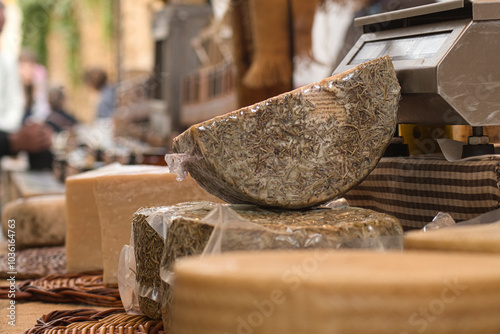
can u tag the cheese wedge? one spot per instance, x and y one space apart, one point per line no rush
298 149
119 195
83 238
321 292
100 206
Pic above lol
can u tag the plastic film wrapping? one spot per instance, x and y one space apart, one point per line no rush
138 273
246 228
299 149
478 235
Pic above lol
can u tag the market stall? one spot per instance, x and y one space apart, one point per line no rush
329 208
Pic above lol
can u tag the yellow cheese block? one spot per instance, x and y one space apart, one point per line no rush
118 195
83 232
467 238
326 292
100 205
35 221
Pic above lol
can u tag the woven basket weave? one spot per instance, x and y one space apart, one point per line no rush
82 321
35 263
86 288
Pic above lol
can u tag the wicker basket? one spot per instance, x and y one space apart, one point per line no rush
91 321
35 263
86 288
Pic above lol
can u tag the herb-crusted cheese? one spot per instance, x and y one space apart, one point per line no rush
347 227
301 148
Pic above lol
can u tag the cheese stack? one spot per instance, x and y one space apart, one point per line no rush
101 203
322 292
466 238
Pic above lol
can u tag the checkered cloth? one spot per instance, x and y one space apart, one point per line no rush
415 189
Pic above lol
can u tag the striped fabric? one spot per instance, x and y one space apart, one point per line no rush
415 189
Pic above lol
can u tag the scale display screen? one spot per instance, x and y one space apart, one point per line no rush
406 48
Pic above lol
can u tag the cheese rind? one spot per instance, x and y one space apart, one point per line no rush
100 205
83 239
467 238
119 195
356 292
37 221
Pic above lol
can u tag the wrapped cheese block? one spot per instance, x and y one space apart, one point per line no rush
101 204
298 149
324 292
118 195
149 226
193 228
468 238
35 221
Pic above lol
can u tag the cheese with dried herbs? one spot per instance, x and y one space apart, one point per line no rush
298 149
245 227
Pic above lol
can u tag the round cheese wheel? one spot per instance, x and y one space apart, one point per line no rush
337 292
35 221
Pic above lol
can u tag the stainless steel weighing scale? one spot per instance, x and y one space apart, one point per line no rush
447 59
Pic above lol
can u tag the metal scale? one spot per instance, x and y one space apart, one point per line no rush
447 59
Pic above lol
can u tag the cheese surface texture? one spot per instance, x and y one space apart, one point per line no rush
83 239
298 149
100 206
468 238
119 195
246 227
39 221
325 292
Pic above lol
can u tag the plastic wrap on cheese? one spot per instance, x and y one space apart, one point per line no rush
250 228
299 149
203 227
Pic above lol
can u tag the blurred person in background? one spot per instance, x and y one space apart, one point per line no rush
59 119
15 137
34 80
11 94
97 79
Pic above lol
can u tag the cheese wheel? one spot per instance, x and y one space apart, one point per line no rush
467 238
37 221
118 195
83 240
189 227
321 292
298 149
101 204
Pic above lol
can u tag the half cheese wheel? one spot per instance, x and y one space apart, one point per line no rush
301 148
337 292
